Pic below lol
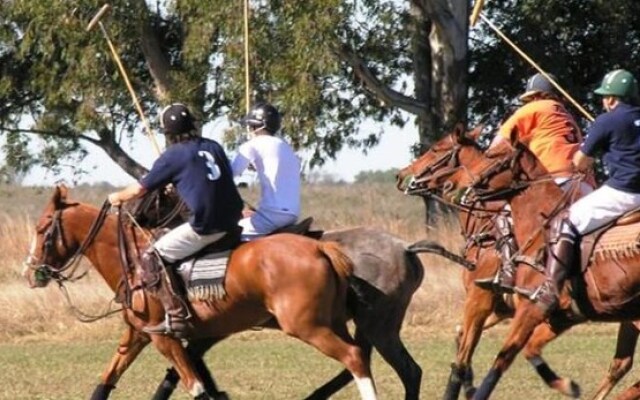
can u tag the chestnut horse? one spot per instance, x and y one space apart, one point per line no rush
300 282
513 173
390 273
482 308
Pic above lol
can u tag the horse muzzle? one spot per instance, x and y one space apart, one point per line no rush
37 277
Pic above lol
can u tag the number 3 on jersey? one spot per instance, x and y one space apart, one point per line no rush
210 162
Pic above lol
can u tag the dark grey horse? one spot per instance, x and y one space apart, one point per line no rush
389 274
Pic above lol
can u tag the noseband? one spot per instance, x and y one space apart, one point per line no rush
444 165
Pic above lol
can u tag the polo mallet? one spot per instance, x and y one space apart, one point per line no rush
477 13
96 21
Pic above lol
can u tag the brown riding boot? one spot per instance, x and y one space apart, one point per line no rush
559 260
176 313
505 279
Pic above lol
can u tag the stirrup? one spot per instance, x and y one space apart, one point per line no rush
535 296
504 287
531 294
495 284
178 328
487 283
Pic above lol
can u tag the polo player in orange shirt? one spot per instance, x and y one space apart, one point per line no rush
544 125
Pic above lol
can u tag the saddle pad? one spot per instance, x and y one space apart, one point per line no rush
204 276
618 241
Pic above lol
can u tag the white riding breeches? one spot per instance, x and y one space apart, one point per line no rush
183 241
263 222
601 206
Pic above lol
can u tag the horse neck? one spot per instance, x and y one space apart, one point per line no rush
532 207
103 251
477 221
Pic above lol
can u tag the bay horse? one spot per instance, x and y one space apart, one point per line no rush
392 272
300 282
482 308
606 290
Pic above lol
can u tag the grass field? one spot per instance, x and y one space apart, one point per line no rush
267 365
46 354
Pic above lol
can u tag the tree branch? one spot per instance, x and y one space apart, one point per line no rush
49 133
389 96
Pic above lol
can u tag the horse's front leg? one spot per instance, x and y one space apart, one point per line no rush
621 364
195 349
542 335
477 308
173 350
528 317
131 344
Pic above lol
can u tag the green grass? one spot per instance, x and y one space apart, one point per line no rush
267 365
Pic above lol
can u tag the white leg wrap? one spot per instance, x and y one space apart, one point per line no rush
365 386
536 361
197 389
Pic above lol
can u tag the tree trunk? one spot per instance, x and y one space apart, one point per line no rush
440 47
158 65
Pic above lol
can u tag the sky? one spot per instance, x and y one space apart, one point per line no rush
393 151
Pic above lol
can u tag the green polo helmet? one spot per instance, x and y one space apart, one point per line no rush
619 83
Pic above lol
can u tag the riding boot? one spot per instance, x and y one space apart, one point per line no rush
177 316
505 279
559 261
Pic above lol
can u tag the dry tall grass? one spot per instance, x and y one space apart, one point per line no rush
27 314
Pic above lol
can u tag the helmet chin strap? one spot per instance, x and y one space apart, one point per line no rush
254 132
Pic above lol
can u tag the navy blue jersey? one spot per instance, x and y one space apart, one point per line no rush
617 134
200 171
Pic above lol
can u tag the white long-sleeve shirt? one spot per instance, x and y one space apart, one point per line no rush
278 170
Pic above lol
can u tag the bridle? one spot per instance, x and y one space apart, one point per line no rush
475 191
44 272
446 164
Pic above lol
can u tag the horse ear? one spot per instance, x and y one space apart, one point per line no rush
59 197
458 132
475 133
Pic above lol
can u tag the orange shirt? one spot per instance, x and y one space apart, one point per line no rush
549 131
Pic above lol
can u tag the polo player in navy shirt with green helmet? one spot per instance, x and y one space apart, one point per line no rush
615 134
199 170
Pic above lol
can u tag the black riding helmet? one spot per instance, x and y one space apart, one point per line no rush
537 84
263 115
176 119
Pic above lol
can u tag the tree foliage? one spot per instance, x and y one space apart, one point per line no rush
576 40
327 64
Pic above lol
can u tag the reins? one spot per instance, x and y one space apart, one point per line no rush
81 315
60 278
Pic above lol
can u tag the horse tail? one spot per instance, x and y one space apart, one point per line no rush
427 246
359 293
341 263
416 269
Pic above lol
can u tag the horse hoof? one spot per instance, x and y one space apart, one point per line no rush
568 388
221 396
468 394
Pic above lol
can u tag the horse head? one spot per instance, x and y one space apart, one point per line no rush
54 243
495 174
424 175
